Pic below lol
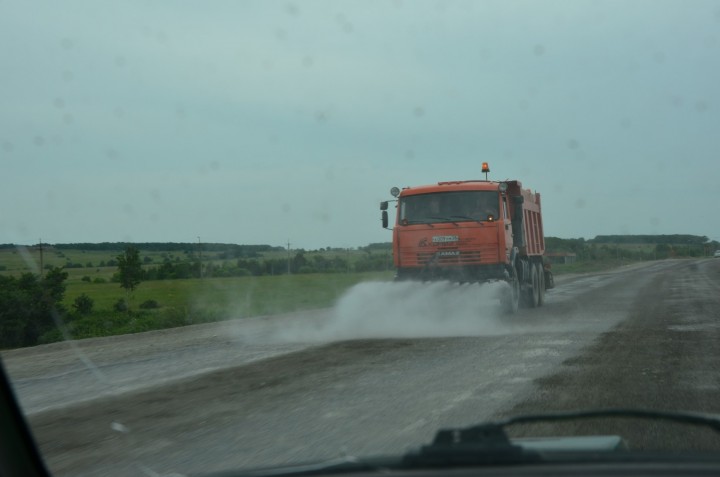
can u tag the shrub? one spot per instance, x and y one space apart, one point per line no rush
83 304
51 336
85 279
120 305
242 272
149 304
99 280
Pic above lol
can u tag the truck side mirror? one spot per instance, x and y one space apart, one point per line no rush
385 218
384 205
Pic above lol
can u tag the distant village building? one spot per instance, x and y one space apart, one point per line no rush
561 258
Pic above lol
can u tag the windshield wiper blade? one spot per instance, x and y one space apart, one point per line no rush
482 444
487 443
685 417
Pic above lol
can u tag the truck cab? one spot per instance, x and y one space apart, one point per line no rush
470 231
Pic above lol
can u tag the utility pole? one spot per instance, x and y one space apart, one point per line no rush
41 257
200 253
288 255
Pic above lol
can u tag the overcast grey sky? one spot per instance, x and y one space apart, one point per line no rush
259 122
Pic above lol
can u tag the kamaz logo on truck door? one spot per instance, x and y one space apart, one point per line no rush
445 238
449 253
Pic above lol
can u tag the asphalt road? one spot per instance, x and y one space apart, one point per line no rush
379 374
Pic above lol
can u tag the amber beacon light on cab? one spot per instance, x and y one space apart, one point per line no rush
472 231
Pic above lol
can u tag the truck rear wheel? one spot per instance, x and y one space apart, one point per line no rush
541 284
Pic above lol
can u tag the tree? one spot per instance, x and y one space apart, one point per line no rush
129 270
27 306
299 262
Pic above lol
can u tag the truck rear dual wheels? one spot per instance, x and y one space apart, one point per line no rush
535 291
541 285
531 294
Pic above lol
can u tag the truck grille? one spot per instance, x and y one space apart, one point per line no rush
444 258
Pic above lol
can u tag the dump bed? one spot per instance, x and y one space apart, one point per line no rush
533 240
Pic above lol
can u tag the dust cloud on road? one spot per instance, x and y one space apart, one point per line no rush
404 310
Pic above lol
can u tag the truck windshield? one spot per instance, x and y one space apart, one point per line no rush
449 207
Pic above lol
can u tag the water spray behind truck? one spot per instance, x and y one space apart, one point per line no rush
472 231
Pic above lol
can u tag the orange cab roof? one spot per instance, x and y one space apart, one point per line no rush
449 186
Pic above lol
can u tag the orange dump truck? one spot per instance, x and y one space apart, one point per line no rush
472 231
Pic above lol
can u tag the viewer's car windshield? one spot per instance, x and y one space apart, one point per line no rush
241 234
449 207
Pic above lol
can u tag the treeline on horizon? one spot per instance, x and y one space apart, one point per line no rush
633 247
237 262
232 249
158 247
554 243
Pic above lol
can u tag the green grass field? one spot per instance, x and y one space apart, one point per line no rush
232 297
192 301
181 301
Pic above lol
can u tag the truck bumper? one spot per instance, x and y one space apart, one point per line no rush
462 274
